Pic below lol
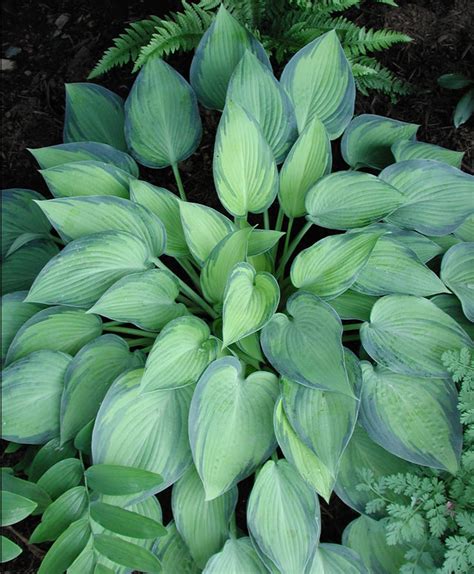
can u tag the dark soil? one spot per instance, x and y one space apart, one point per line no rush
49 42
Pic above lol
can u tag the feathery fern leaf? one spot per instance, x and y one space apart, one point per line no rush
362 41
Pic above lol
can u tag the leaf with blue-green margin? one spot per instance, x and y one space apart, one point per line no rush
348 199
87 267
231 424
119 480
125 522
336 559
323 420
146 299
465 232
54 155
173 553
425 249
238 555
438 197
47 456
362 454
222 259
125 553
75 217
457 271
9 550
451 305
66 548
165 205
319 81
368 538
464 109
353 305
245 172
413 418
20 215
27 489
217 55
203 228
15 508
32 389
262 240
306 346
445 242
254 87
409 334
394 268
15 312
309 159
62 476
129 421
250 300
411 149
180 354
331 265
88 378
82 178
69 507
308 465
55 328
20 269
203 524
283 516
368 139
94 113
162 123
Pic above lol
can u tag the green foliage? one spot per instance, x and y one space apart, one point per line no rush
465 106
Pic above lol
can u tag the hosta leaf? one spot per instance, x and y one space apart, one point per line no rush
56 328
145 299
125 522
368 139
93 113
262 240
20 215
181 352
308 465
87 267
47 456
281 504
87 380
165 205
20 268
27 489
128 554
362 454
353 305
118 480
231 424
9 550
54 155
129 421
413 418
76 217
438 197
263 263
82 178
218 266
451 305
162 125
254 87
204 525
336 559
331 265
217 55
62 476
465 232
425 249
306 347
409 334
464 109
349 199
173 553
15 508
15 312
457 271
250 301
309 159
32 389
251 346
203 228
237 556
395 268
245 172
23 240
410 149
320 84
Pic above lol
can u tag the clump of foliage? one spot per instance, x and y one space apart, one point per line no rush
283 28
153 343
465 107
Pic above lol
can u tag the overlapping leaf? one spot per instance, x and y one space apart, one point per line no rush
336 559
238 555
457 271
411 149
173 553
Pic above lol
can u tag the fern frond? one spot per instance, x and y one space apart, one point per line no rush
126 46
382 80
361 41
250 13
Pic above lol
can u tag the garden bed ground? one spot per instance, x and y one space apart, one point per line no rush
48 43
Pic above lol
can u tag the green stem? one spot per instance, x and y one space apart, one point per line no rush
347 338
240 222
57 240
275 456
138 342
266 219
279 221
352 326
179 181
294 244
190 271
233 527
129 331
112 324
288 236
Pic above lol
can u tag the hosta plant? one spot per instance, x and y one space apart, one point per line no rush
234 367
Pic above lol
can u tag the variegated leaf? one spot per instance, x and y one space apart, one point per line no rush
411 149
237 556
457 271
336 559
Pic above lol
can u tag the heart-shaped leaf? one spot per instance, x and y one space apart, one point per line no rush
457 271
231 424
410 149
238 555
